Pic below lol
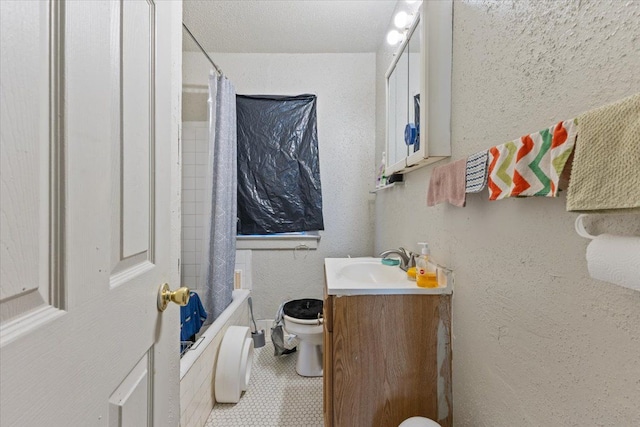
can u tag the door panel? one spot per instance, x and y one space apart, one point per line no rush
28 285
137 68
91 207
134 45
132 394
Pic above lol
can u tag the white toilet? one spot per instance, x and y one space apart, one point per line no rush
303 318
419 422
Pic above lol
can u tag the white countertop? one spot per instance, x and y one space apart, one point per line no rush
348 276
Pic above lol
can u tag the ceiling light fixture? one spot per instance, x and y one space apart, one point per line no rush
394 37
401 20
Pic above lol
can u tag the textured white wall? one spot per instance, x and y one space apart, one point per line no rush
536 341
344 84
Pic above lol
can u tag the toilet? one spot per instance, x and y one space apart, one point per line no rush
303 318
418 422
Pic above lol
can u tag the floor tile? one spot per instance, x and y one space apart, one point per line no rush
276 397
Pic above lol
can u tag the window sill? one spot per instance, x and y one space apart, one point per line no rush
308 240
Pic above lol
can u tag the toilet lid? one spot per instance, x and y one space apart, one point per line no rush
304 309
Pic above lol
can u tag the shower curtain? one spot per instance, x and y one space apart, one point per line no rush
220 202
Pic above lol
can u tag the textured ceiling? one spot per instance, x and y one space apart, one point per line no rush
287 26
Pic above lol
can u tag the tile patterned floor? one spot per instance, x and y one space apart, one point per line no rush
276 396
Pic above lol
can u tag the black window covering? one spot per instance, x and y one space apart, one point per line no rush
278 165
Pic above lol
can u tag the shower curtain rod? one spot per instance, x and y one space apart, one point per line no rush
218 69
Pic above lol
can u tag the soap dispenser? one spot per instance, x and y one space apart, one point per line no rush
426 272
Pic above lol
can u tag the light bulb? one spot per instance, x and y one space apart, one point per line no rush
401 19
394 37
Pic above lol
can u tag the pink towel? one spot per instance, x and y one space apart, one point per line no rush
448 183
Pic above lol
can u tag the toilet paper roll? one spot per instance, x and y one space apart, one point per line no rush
615 259
234 364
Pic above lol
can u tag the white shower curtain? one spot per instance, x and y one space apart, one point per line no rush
220 203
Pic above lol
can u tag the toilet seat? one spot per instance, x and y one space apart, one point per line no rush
311 322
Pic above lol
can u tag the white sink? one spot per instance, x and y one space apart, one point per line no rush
366 276
371 271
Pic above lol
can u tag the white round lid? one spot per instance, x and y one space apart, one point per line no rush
419 422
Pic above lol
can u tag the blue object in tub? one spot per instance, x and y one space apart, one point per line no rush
192 317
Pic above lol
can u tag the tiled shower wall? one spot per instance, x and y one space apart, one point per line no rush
195 159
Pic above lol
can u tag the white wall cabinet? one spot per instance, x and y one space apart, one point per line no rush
419 92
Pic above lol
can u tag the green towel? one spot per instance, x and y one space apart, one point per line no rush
606 167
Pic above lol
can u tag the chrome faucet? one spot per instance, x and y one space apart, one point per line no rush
407 258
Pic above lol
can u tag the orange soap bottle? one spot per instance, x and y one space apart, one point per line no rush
426 273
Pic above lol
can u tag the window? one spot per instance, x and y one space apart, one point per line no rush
278 167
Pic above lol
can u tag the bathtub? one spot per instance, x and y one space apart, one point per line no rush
197 366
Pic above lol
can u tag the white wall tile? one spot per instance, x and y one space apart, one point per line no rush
188 245
188 220
188 208
202 134
188 195
202 147
200 182
190 282
188 257
188 158
188 132
188 171
188 147
201 158
189 270
189 233
188 183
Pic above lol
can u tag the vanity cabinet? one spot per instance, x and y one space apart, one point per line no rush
386 358
418 127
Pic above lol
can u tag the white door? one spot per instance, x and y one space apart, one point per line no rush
89 187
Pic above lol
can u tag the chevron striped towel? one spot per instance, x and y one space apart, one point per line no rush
476 176
606 165
532 164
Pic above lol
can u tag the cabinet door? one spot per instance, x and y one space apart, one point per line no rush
397 113
327 359
430 50
417 147
384 359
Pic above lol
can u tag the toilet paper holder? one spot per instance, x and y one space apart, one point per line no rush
579 225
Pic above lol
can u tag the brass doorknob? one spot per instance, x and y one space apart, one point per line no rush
180 296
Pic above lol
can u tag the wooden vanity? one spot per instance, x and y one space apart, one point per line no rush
387 357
